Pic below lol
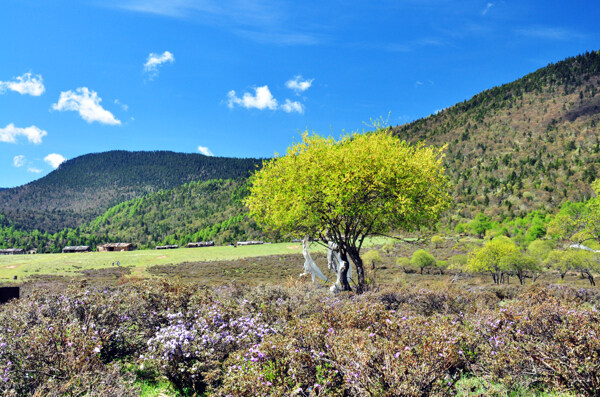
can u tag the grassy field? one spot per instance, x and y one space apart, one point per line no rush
137 262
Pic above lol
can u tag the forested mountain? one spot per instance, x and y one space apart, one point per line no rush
196 211
84 187
531 144
528 145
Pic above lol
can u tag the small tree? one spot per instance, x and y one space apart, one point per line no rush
405 264
488 257
437 241
371 258
480 225
540 249
441 266
344 191
520 265
423 260
457 262
573 259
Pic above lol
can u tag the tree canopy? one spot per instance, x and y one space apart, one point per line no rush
346 190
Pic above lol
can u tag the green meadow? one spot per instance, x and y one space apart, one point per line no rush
74 264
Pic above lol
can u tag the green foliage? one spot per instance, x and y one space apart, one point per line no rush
540 249
437 241
519 264
371 257
196 211
582 261
480 225
488 258
422 259
84 187
344 191
460 228
514 148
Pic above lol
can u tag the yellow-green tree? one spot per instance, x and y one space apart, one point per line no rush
579 222
520 265
579 260
488 258
344 191
422 259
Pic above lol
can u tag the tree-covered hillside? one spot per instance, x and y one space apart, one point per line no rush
531 144
86 186
196 211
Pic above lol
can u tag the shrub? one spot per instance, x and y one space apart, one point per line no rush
422 259
191 347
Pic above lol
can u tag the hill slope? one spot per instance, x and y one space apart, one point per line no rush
531 144
195 211
84 187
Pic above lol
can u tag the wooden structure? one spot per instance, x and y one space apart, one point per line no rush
76 248
166 247
201 244
252 242
12 251
8 293
110 247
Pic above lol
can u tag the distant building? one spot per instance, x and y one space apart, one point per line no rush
77 248
166 247
110 247
201 244
12 251
252 242
32 251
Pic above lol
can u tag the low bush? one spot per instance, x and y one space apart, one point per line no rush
285 341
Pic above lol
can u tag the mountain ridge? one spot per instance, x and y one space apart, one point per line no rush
84 187
531 144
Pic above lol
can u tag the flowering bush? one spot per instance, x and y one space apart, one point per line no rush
353 348
191 348
299 341
539 339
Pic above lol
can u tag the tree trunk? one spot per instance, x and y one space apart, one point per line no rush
360 271
520 276
590 277
344 284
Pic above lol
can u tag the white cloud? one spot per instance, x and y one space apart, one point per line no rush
298 85
156 60
550 33
123 106
27 84
34 170
262 99
87 103
54 159
290 107
205 151
487 8
33 134
19 161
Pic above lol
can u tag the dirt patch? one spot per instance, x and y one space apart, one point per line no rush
161 257
293 247
11 267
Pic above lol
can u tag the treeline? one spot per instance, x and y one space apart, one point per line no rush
84 187
529 145
196 211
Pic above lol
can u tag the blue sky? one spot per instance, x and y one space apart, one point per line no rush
241 78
